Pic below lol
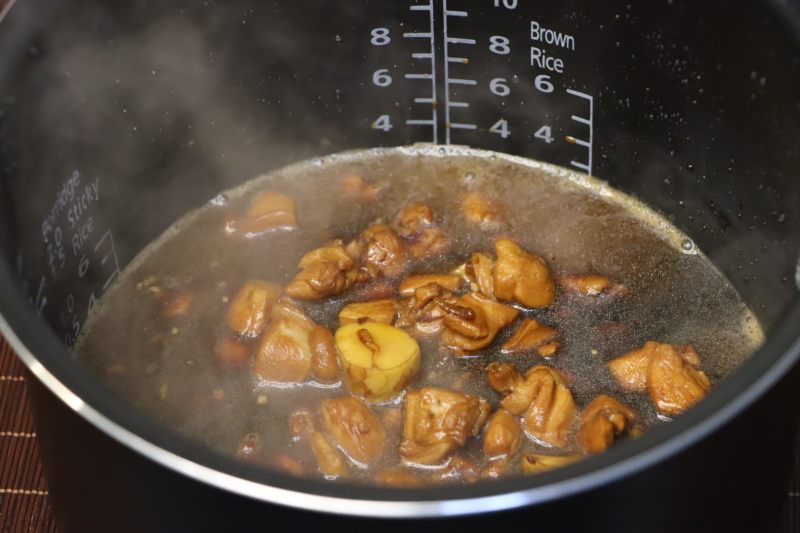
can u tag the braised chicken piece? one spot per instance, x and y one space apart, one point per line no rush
478 270
423 312
543 397
416 224
354 428
673 382
324 363
409 285
478 209
380 250
285 351
532 335
326 271
437 422
382 311
250 308
591 285
398 477
330 461
268 211
521 277
504 377
551 414
602 421
534 463
503 435
630 369
473 321
358 188
231 353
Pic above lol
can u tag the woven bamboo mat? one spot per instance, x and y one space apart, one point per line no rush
24 503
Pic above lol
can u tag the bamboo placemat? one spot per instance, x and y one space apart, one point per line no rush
24 505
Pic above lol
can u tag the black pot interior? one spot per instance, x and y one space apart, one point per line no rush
117 118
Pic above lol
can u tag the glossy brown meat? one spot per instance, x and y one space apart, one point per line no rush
380 251
326 271
354 428
409 285
416 224
437 422
531 335
630 369
324 363
504 377
534 463
521 277
268 211
250 308
547 403
232 354
473 321
478 270
603 421
478 209
423 312
673 383
330 461
285 351
382 311
356 187
503 435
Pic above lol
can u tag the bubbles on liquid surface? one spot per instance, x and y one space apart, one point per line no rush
219 200
688 247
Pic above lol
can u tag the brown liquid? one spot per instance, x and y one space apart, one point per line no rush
166 368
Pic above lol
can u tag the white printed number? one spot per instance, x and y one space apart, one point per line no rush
382 123
544 133
499 87
499 45
380 36
508 4
501 128
542 83
381 77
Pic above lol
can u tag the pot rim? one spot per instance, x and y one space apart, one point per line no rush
54 367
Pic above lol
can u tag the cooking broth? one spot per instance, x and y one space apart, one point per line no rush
166 366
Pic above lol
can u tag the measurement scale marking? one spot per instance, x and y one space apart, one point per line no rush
589 122
463 60
460 126
449 13
458 40
459 81
458 104
431 56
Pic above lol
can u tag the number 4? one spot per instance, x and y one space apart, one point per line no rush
544 133
501 128
382 123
